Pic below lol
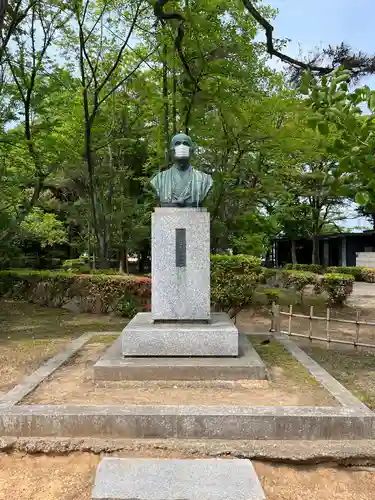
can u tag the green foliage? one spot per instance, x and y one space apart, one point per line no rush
273 295
353 271
79 266
338 287
108 272
43 227
298 280
127 306
76 158
336 105
360 273
312 268
234 279
97 294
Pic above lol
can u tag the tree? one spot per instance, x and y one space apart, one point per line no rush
27 60
335 106
101 53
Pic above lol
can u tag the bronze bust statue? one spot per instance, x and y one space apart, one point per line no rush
182 185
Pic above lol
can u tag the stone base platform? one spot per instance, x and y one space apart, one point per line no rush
164 479
143 337
112 366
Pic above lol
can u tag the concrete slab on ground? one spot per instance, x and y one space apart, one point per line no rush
166 479
247 366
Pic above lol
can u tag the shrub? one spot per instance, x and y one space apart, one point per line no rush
234 279
367 275
337 286
273 296
360 273
108 272
88 293
353 271
298 280
80 266
312 268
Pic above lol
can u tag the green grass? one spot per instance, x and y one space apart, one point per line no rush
22 321
275 355
354 369
103 339
31 334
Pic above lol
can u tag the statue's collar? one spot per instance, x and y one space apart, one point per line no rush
176 167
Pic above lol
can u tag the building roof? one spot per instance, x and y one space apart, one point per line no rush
331 236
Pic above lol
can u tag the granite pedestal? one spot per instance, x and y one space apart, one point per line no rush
180 264
163 479
142 337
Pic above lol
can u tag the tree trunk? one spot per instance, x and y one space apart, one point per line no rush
294 252
124 266
174 99
166 106
315 249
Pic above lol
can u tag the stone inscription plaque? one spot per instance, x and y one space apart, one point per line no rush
180 247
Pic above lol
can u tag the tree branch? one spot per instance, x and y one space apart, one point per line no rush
124 45
129 75
167 16
268 28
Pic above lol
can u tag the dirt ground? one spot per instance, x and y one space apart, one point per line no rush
71 477
74 384
31 334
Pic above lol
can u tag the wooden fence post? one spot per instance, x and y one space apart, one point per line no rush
278 319
290 320
328 325
311 322
357 325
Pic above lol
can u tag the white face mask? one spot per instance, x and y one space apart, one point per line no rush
182 151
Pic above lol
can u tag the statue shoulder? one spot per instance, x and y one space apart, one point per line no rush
158 178
201 174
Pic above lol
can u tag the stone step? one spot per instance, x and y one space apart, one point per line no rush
247 366
164 479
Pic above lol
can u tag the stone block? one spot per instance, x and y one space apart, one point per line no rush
180 264
186 422
112 366
164 479
142 337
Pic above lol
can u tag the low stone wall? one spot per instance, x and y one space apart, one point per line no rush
366 259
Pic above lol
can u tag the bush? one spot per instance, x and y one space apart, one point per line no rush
367 275
108 272
97 293
337 286
80 266
360 273
312 268
273 296
298 280
234 279
353 271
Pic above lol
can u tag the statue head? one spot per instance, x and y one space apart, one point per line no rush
182 149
